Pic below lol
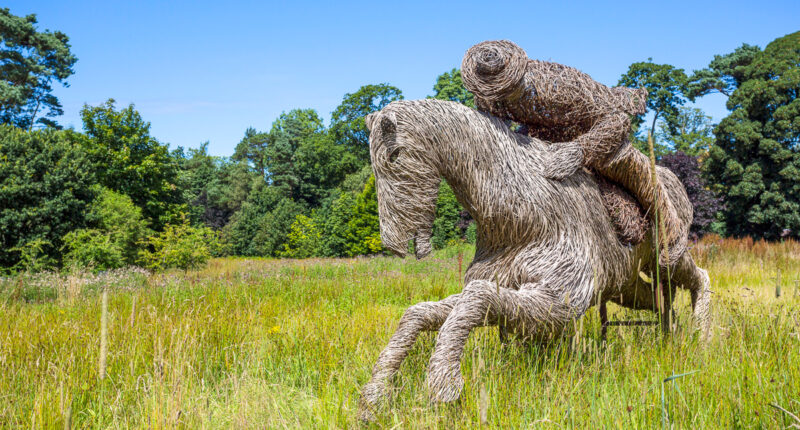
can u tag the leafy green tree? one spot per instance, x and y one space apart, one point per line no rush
45 187
755 161
363 229
303 239
253 149
30 62
347 120
273 227
289 132
665 86
215 187
331 218
691 133
130 161
321 165
448 214
244 225
724 74
449 86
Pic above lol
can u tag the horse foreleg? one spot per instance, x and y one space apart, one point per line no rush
697 281
425 316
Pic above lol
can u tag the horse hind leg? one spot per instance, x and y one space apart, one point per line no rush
424 316
696 280
533 311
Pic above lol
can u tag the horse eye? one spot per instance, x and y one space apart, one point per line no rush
394 154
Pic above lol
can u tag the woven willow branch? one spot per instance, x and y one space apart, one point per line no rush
546 251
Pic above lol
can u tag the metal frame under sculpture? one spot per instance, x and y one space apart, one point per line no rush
547 248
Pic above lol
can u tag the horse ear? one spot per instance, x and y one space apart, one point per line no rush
370 119
388 124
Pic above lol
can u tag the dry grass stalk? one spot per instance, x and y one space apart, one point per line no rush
103 334
133 311
546 249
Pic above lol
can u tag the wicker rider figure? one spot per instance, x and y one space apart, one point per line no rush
587 122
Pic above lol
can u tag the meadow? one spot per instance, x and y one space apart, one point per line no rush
265 343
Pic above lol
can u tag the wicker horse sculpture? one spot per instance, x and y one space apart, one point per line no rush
546 249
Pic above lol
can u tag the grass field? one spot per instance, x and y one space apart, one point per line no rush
278 343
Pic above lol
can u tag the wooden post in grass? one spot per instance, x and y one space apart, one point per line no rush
460 261
778 285
103 334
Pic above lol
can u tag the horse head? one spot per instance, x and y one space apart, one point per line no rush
406 182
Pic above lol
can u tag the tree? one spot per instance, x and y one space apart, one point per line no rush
45 187
692 132
448 216
363 229
130 161
289 132
273 228
449 86
755 160
30 61
665 86
724 74
253 149
214 187
347 120
705 203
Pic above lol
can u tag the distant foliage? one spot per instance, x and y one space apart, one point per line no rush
115 237
128 160
179 246
92 249
363 230
691 133
705 202
347 120
755 160
449 86
448 214
30 62
303 239
113 195
46 184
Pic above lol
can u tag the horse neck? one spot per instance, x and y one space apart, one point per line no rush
489 168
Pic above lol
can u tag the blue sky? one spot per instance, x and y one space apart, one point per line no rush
208 70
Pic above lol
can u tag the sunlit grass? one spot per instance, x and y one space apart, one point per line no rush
277 343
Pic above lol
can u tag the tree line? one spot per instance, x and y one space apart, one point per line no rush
113 195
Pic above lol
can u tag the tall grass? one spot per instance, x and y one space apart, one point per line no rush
287 344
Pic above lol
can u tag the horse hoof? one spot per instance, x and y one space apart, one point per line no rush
372 396
446 389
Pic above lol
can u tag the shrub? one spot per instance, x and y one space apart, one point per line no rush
303 239
179 246
705 202
116 236
93 249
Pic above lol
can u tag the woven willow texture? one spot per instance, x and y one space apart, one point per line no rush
557 103
546 248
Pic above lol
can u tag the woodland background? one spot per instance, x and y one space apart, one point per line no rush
112 195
